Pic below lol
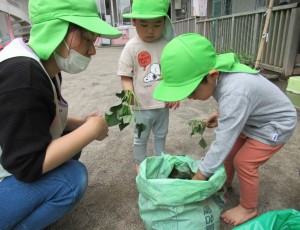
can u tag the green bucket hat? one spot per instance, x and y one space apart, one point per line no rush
149 9
50 21
186 60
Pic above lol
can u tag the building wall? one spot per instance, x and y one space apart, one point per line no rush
24 2
183 9
239 6
3 26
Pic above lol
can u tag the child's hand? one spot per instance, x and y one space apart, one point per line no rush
212 121
174 105
199 176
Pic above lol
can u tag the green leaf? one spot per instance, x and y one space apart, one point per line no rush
124 110
108 113
202 143
121 95
198 126
116 107
128 119
122 125
140 127
192 132
120 114
112 119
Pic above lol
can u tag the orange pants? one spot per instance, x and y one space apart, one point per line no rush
245 158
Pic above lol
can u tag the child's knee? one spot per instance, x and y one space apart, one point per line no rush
240 165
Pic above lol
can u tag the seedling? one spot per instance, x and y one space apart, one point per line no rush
198 126
120 114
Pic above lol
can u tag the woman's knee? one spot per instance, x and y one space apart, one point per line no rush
81 177
74 179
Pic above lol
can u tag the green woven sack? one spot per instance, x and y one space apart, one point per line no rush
288 219
168 204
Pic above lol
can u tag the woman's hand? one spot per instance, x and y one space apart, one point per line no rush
212 121
100 126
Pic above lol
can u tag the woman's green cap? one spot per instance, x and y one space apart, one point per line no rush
50 20
186 60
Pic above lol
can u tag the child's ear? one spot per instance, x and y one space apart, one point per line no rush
214 74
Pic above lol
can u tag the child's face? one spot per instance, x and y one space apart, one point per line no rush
205 89
202 92
149 30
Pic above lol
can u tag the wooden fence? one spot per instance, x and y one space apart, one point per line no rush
241 33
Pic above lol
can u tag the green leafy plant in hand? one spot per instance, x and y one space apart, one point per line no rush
198 126
120 114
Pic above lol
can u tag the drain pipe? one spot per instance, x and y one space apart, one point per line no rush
9 26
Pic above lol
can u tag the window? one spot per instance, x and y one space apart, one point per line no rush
182 8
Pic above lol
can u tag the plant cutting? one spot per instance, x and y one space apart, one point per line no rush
198 126
120 114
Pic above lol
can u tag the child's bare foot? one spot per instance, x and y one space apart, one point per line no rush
137 168
238 215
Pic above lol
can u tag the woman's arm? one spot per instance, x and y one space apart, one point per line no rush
62 149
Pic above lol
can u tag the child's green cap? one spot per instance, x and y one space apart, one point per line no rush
50 20
149 9
186 60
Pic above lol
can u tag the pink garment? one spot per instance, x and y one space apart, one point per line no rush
245 158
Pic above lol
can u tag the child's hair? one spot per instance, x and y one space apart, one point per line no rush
204 80
73 27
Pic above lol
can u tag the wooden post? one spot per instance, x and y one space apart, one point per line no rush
254 40
264 34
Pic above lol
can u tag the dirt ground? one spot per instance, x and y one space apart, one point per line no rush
110 202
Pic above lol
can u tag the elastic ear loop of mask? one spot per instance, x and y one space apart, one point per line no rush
68 47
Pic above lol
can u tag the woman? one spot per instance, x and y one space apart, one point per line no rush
39 181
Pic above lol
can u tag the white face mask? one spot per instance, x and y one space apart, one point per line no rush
74 63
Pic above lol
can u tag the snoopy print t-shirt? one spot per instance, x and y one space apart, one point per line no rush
141 61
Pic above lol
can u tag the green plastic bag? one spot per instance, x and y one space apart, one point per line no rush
169 204
288 219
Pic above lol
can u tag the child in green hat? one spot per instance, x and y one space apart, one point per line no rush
254 121
39 180
139 68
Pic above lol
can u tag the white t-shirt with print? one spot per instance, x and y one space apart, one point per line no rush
141 61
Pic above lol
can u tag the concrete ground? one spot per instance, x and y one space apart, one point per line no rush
110 202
